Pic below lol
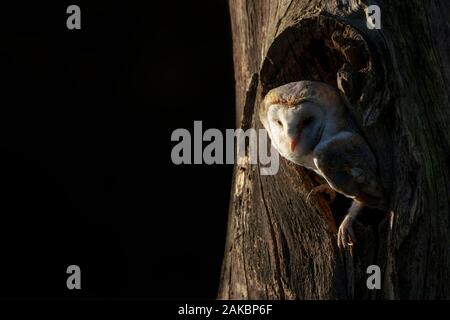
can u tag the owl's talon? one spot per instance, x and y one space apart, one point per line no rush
322 188
346 236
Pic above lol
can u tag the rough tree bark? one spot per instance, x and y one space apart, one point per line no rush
397 79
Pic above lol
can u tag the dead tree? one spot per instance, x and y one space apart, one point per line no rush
397 79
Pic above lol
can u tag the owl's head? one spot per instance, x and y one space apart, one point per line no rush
294 116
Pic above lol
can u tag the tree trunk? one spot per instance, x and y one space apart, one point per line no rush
397 79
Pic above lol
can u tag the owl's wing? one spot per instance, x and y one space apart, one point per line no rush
348 165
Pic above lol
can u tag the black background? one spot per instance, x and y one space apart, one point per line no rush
86 176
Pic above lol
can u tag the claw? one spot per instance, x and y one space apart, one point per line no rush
346 236
322 188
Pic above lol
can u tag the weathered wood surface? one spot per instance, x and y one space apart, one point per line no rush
397 81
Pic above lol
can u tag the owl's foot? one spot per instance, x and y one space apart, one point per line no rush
322 188
346 236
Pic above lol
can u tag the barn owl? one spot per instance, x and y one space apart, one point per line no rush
308 124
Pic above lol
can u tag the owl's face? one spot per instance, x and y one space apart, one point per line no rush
295 131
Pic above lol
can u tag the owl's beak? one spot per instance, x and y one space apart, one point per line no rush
294 143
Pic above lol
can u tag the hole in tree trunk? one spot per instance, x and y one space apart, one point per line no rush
339 208
368 217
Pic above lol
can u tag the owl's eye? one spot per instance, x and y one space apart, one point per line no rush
307 121
279 123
